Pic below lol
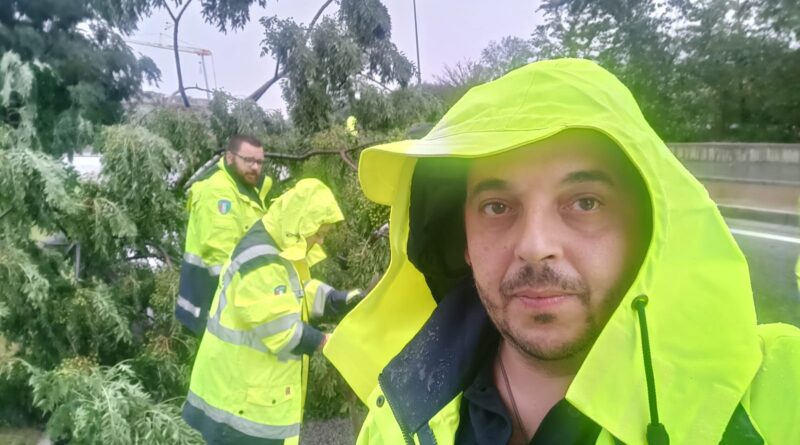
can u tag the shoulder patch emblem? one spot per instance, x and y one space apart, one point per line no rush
280 290
224 206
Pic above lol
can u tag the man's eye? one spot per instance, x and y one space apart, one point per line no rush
586 204
495 208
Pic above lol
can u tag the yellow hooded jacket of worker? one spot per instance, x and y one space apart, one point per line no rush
248 380
719 378
221 209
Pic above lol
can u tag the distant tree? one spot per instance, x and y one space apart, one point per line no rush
380 110
88 273
700 69
509 53
496 59
737 72
90 70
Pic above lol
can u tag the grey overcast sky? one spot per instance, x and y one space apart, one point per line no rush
449 31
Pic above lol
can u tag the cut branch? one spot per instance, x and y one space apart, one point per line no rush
347 160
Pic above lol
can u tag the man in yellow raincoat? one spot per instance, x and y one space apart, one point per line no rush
224 202
249 378
558 277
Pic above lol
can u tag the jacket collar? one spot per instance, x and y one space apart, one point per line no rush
447 354
441 360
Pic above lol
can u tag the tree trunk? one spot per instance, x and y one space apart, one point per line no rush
256 95
176 20
178 63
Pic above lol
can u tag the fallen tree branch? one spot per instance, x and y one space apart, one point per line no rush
375 82
164 256
300 157
308 154
288 156
188 177
192 88
347 160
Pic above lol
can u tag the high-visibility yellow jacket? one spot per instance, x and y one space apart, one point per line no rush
248 380
221 209
719 378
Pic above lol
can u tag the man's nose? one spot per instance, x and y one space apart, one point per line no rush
539 236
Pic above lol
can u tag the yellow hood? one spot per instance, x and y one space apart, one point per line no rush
705 350
298 214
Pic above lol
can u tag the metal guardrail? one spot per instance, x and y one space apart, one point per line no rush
743 180
758 214
736 152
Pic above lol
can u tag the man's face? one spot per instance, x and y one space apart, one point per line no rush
556 232
247 162
319 237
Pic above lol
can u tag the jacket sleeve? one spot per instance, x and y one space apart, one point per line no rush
325 300
211 234
264 303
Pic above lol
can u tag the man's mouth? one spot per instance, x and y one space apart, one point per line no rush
539 299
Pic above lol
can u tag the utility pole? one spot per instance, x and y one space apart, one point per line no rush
202 52
416 37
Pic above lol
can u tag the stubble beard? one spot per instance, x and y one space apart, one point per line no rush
516 336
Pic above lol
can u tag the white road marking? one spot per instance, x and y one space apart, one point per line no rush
770 236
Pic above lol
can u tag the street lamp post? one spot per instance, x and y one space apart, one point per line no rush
416 37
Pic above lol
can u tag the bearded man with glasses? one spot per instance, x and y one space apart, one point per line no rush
223 204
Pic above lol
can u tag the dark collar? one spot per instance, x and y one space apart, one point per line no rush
441 360
242 186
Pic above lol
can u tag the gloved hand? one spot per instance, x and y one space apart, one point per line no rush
341 302
372 283
354 296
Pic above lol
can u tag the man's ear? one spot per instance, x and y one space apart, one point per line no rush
466 256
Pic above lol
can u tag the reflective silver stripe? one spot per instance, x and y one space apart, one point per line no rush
294 280
320 297
288 356
285 354
195 260
241 424
187 306
295 340
249 254
278 325
253 338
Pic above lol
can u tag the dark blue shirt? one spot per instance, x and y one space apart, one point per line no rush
486 421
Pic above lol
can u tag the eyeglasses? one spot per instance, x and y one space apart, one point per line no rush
250 161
